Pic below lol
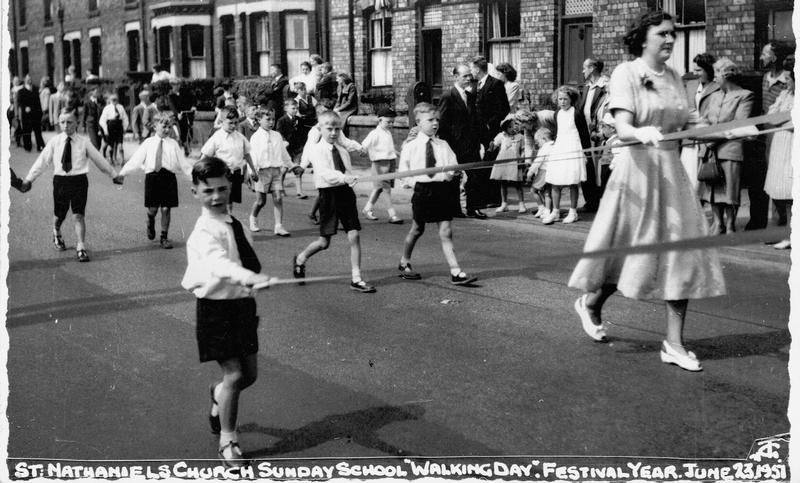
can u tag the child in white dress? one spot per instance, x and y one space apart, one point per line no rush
538 172
567 165
510 143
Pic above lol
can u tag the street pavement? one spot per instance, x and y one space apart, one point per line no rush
102 363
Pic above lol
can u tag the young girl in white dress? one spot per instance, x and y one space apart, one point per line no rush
510 143
567 166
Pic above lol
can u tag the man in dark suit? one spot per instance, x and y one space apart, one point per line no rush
492 107
326 86
279 83
592 99
30 114
92 108
458 125
182 103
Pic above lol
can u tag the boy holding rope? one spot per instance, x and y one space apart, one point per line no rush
431 202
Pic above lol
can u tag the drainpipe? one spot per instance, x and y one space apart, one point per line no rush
351 42
143 31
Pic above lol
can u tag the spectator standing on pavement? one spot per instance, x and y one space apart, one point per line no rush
56 104
346 99
568 161
778 184
379 145
69 154
307 76
337 200
161 159
508 76
509 144
143 117
30 114
295 135
325 90
703 68
13 111
114 122
44 100
491 105
233 148
277 87
649 199
159 74
459 127
183 105
270 159
221 271
92 110
591 104
430 201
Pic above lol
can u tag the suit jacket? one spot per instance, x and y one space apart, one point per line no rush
708 89
247 129
292 133
729 106
458 125
492 107
600 95
91 112
275 101
28 103
347 100
326 90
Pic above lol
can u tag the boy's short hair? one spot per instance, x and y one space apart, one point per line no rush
68 111
329 117
263 112
386 112
230 112
144 95
208 168
423 108
290 102
542 134
162 117
299 85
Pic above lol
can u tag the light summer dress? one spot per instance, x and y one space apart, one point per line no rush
650 200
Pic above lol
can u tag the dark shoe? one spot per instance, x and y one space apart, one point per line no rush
235 458
462 279
477 214
407 273
298 271
213 421
151 228
459 214
165 243
313 219
362 286
83 256
58 242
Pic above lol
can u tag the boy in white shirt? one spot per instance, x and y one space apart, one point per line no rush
337 200
222 269
161 158
431 201
233 148
379 145
270 158
69 154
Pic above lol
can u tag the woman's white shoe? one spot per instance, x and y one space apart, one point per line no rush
688 362
596 332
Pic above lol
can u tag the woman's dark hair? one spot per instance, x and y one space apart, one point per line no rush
636 36
507 70
345 77
706 62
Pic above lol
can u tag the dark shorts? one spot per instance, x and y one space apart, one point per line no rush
115 132
226 329
432 202
237 178
337 204
161 189
70 192
384 166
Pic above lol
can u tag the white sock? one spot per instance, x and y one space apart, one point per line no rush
226 437
368 207
455 271
392 212
356 275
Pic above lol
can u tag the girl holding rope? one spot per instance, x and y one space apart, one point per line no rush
649 199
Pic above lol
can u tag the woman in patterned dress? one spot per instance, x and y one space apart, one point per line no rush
778 184
649 199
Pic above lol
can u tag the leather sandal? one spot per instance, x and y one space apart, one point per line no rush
236 460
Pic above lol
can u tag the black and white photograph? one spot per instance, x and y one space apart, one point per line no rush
518 240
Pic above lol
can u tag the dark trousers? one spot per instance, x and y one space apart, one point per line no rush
591 192
31 123
754 172
183 129
93 131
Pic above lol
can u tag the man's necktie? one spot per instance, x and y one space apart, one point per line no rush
430 159
246 252
66 157
159 155
337 159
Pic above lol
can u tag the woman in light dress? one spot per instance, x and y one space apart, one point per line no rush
649 199
778 184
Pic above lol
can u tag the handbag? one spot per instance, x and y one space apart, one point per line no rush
710 171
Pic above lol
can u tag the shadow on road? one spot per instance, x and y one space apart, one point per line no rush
360 427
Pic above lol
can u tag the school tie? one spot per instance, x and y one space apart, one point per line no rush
246 252
66 157
430 159
337 159
159 155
